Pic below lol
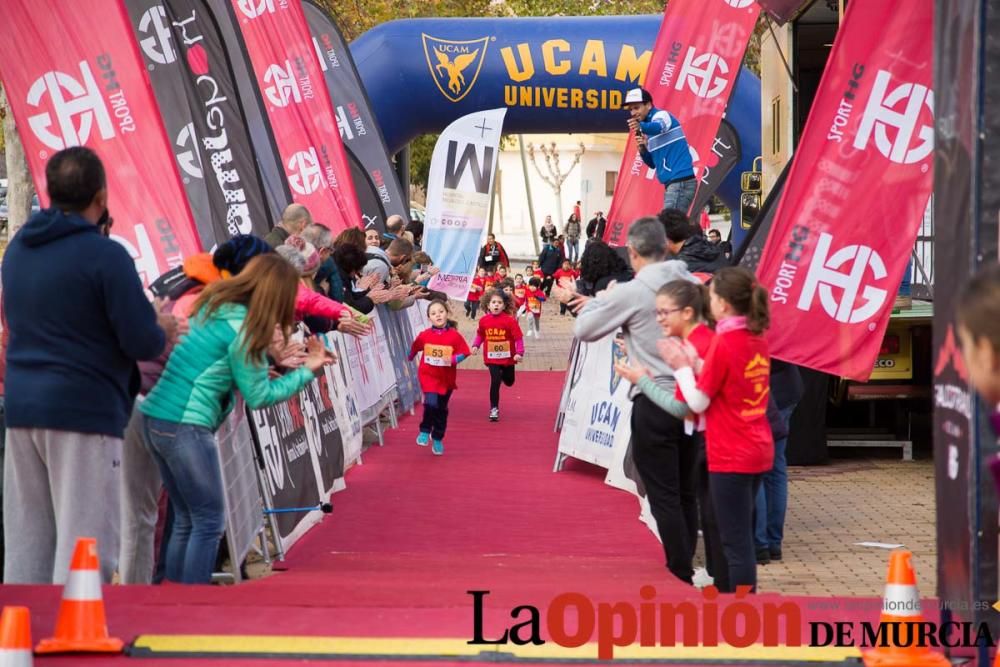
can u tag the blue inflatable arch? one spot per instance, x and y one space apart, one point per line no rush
563 74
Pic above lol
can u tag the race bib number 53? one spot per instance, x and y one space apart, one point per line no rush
498 350
437 355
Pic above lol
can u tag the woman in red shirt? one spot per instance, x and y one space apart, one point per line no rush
732 392
499 330
441 348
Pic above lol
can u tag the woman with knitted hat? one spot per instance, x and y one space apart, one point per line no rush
325 314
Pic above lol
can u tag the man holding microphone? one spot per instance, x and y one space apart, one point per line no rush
663 147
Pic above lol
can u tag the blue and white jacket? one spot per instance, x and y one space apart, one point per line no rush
667 147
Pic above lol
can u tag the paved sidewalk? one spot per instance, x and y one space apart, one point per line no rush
830 507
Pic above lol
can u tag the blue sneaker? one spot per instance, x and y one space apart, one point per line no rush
437 448
423 439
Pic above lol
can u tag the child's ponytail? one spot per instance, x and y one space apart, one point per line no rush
740 289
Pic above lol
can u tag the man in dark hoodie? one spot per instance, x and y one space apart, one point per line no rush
78 321
687 244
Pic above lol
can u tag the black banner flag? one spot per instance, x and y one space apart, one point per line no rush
204 118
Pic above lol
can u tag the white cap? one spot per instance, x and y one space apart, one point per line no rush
634 95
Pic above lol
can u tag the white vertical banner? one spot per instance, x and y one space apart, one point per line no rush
459 185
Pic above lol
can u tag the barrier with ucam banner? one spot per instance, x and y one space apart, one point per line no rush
304 446
595 416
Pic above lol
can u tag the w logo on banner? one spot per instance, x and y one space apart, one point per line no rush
881 114
76 108
454 65
704 75
283 88
480 170
304 173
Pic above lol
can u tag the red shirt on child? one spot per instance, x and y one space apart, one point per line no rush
534 298
736 377
520 294
560 274
477 288
501 338
440 347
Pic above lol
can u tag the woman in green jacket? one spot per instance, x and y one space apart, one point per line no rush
233 323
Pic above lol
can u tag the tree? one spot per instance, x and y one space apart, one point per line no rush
555 177
20 188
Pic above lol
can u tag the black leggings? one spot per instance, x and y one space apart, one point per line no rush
499 374
546 286
472 308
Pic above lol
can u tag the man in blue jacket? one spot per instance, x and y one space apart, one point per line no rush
78 321
663 147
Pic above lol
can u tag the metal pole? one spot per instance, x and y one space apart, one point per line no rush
527 190
493 204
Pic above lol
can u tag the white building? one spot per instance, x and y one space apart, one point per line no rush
591 182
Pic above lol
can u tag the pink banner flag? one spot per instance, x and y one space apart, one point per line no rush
695 62
74 77
299 109
856 192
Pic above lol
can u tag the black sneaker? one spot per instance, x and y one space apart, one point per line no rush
494 414
763 556
775 554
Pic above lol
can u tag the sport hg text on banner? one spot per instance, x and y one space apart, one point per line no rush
856 193
91 90
692 72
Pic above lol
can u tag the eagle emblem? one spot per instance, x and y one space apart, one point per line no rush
454 65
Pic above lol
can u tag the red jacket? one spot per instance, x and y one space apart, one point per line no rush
441 350
309 302
502 337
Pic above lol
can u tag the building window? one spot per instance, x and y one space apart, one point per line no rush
610 178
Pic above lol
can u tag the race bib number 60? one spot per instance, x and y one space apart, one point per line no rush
498 350
437 355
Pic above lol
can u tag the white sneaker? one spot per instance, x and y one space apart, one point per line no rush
701 578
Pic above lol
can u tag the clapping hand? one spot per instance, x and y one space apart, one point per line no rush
677 353
630 373
368 282
317 356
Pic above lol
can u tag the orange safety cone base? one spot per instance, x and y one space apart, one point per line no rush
15 629
107 645
897 657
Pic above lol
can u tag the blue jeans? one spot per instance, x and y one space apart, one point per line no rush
772 499
680 194
188 459
572 249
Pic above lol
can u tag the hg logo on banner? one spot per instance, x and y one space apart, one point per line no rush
157 45
254 8
699 72
881 114
76 107
283 87
450 61
304 174
188 158
846 271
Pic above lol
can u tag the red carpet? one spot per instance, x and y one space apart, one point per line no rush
413 532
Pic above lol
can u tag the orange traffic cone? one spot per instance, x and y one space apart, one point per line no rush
81 624
900 618
15 637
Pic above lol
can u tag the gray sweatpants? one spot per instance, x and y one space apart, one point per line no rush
140 496
58 486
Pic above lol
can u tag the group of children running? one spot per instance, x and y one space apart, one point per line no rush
527 294
442 348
